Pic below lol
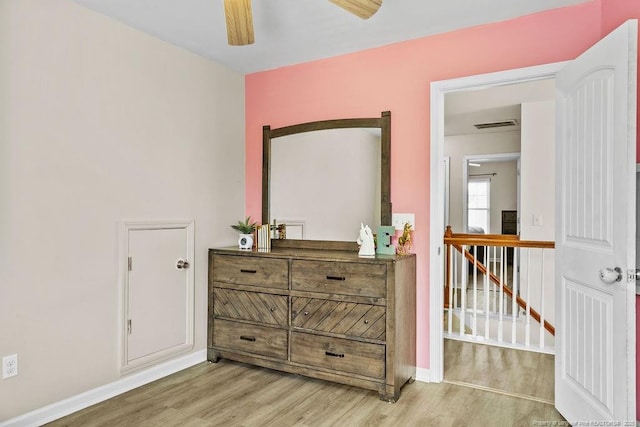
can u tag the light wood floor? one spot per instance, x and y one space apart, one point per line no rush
521 373
234 394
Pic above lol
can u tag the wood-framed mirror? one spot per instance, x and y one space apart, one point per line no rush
337 169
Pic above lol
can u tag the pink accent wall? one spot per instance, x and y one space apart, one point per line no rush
614 13
397 78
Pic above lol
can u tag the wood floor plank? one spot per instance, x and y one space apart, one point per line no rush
514 371
233 394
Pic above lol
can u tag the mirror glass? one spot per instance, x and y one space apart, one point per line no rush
322 179
325 183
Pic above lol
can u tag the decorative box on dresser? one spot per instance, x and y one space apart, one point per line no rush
321 313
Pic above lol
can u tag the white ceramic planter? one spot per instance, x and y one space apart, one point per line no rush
245 241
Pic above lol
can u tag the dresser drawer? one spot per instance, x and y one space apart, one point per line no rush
248 270
250 338
255 306
339 278
338 354
345 318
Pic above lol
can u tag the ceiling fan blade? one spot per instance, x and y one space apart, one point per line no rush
239 22
365 9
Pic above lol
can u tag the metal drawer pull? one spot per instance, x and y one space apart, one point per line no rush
273 309
329 353
247 338
248 271
366 322
336 278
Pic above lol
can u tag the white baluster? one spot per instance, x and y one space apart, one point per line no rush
452 284
527 328
463 290
501 283
495 289
487 293
514 289
542 330
474 323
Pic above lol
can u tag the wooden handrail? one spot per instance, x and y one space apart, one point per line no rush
457 240
511 243
506 240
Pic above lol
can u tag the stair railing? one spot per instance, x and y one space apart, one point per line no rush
510 270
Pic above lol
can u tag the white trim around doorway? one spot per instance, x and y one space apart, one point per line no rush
436 266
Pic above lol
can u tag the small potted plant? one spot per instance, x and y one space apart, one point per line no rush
246 229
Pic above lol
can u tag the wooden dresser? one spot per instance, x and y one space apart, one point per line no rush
326 314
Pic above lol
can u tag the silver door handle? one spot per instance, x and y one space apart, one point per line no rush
182 264
611 275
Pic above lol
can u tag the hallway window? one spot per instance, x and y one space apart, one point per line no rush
478 204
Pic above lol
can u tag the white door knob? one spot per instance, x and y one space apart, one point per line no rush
611 275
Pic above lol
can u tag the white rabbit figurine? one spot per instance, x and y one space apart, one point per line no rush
367 247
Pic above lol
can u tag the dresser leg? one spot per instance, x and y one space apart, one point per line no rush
411 380
212 356
391 398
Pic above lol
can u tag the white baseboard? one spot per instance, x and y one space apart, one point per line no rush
99 394
422 374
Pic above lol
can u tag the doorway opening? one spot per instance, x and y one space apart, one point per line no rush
456 90
490 186
489 302
595 242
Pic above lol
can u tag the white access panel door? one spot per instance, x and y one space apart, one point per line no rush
595 232
159 293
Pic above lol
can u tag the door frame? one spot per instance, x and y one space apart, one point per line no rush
447 190
497 157
125 227
438 90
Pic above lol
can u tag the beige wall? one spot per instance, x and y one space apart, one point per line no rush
538 169
99 123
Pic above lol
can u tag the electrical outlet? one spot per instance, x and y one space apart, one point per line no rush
9 366
398 220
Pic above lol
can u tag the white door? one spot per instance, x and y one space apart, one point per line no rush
159 292
595 231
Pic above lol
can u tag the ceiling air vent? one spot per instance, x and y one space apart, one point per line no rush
501 124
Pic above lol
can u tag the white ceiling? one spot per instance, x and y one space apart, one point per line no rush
295 31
